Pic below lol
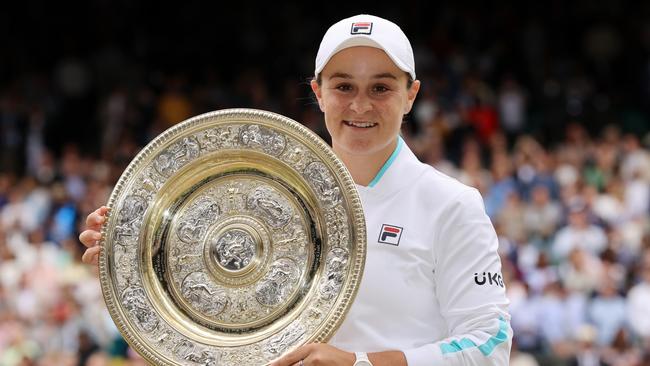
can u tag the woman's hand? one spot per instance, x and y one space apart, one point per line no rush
316 354
90 237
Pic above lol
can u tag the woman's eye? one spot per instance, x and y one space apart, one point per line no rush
344 87
380 89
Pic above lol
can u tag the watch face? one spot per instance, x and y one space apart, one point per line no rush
362 363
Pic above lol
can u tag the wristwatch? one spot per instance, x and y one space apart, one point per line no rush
362 359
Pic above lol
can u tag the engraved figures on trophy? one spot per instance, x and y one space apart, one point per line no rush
125 265
194 226
177 155
234 250
261 138
133 300
337 226
278 344
186 351
198 290
279 282
226 225
130 216
268 204
323 182
218 137
296 156
335 272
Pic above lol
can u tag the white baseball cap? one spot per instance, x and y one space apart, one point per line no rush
367 30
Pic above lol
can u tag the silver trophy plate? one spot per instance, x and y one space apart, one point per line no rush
232 238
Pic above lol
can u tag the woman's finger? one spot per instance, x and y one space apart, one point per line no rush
96 218
91 256
89 238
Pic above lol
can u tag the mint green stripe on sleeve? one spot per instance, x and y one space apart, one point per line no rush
486 348
457 346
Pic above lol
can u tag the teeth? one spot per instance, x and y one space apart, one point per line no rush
360 124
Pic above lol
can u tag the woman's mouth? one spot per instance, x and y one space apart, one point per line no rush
360 124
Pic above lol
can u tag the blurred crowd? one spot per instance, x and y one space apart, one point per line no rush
574 240
555 136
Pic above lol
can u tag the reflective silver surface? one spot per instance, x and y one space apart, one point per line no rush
231 239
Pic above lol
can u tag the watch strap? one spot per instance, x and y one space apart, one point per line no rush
362 359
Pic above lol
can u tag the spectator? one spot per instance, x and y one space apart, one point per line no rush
560 314
512 108
543 215
622 352
579 233
638 300
607 311
502 187
599 173
542 275
609 205
636 160
582 272
471 171
511 218
586 352
526 321
519 358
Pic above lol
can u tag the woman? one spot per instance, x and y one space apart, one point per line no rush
432 292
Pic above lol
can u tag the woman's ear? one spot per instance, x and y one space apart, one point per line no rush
318 93
411 94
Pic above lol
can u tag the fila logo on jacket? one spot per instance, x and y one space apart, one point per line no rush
390 234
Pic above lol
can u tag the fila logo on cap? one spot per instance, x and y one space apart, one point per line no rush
390 234
361 28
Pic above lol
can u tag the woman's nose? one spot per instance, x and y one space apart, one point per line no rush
360 103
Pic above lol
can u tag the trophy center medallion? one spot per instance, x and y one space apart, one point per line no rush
233 250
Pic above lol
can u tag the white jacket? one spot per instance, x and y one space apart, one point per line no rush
432 284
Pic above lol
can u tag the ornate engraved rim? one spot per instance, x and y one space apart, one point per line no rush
295 130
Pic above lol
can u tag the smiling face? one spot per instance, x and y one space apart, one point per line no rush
364 96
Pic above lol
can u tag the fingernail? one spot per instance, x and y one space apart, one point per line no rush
99 220
97 236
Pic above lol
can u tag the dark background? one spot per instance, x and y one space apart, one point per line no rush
584 61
